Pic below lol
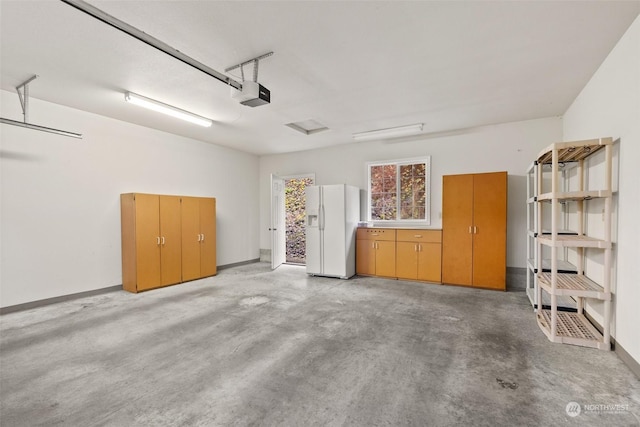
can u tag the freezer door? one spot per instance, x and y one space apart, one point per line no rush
333 221
312 230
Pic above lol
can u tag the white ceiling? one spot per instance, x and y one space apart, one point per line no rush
351 65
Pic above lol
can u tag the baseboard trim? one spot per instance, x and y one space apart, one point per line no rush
63 298
54 300
238 264
627 359
516 279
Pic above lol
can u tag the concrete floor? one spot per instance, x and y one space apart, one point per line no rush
255 347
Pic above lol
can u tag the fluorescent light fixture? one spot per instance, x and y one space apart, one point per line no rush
389 132
169 110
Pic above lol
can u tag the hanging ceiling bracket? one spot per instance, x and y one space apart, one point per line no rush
255 65
23 95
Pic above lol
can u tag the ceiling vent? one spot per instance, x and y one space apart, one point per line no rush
308 127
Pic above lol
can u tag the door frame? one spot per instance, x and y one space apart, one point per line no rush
277 222
278 241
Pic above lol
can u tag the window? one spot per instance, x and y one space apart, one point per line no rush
399 190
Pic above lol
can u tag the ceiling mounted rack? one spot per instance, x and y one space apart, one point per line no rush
23 94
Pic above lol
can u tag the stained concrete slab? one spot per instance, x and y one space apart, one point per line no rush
256 347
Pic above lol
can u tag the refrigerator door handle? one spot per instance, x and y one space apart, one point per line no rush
322 217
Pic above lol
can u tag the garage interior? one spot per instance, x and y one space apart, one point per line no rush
235 335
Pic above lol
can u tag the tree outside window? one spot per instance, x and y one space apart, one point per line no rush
399 190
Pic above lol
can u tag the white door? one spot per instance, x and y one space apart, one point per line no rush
277 228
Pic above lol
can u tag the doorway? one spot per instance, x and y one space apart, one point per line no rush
288 211
295 214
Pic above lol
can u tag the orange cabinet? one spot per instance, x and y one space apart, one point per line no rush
166 240
376 252
474 230
151 241
198 237
419 255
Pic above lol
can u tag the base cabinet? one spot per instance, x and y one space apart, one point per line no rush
154 230
376 252
412 254
419 255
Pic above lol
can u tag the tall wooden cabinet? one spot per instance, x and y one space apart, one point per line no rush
198 237
474 230
153 236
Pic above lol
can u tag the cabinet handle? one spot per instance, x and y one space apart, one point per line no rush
475 230
419 247
469 229
199 236
417 235
158 240
162 240
202 237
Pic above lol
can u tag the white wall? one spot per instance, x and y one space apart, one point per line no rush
610 106
60 206
507 147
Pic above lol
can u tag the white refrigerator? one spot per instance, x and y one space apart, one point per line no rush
332 215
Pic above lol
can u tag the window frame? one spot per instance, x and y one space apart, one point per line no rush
401 162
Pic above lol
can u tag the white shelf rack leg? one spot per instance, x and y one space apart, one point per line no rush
554 237
606 333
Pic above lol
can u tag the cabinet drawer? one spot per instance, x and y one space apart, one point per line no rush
420 236
380 234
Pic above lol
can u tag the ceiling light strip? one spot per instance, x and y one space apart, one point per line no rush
394 132
40 128
151 41
167 109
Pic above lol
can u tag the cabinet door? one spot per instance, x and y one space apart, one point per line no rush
490 237
457 240
365 257
208 241
407 260
190 238
385 258
147 207
429 262
170 240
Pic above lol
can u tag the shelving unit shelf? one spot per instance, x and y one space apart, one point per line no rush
555 278
573 285
573 241
571 328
